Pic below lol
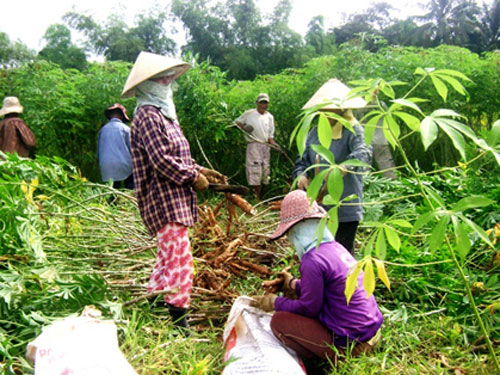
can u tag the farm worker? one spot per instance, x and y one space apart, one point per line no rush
345 145
15 135
320 318
258 125
382 156
165 177
113 148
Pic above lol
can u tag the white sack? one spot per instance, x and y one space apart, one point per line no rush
253 347
79 346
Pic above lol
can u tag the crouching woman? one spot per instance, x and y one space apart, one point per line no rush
319 324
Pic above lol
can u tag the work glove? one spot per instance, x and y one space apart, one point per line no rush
213 176
265 303
287 281
201 183
303 182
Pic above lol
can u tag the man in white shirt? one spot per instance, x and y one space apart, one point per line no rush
258 125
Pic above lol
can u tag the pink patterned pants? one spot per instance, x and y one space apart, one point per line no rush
174 265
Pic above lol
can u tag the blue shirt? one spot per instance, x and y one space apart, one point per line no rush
350 146
113 151
321 295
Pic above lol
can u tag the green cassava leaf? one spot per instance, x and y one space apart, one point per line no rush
435 196
320 230
315 185
474 201
451 72
387 90
440 87
333 220
411 121
453 83
428 131
477 229
302 138
325 153
407 103
370 128
400 223
494 135
420 72
438 233
324 131
370 244
380 245
442 112
392 238
302 132
393 127
456 138
335 184
422 221
355 163
461 237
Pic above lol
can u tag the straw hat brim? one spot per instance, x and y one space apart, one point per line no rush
334 95
284 227
11 109
148 65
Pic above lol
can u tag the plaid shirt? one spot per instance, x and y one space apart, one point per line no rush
164 171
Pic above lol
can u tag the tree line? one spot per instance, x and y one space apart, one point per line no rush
236 37
64 107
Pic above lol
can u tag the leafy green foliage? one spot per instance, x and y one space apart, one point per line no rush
12 53
60 50
115 40
34 289
235 37
65 108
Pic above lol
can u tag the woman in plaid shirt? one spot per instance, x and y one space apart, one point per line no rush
166 177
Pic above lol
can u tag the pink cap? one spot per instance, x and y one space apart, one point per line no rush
294 208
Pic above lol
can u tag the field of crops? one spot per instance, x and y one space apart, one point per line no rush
65 247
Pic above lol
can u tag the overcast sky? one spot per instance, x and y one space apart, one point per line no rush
27 20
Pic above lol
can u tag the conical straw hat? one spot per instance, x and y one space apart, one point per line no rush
336 92
148 65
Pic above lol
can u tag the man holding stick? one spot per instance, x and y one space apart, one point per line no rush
258 125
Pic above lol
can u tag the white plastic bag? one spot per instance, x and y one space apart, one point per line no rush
79 346
253 347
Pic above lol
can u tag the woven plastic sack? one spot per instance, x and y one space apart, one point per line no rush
252 348
79 346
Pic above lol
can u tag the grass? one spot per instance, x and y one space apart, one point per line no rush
100 254
410 345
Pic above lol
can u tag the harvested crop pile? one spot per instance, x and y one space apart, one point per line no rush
231 253
228 250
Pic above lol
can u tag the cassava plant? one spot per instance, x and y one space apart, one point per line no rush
444 223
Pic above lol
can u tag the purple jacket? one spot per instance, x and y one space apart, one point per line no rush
321 295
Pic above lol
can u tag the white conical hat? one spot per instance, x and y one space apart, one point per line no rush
148 65
336 91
